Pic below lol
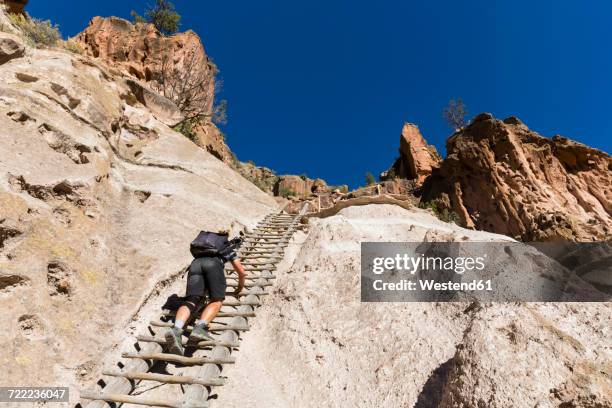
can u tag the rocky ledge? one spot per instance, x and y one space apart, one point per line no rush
502 177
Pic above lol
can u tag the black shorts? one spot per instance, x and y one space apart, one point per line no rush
206 274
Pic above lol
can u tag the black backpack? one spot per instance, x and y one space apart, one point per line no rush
208 244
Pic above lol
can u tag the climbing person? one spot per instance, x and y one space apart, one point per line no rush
211 250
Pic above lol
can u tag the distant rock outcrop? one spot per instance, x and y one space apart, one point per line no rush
143 53
499 176
417 159
262 177
296 186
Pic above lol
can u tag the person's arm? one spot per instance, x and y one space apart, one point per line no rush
241 275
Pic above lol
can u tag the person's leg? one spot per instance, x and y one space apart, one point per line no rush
182 315
216 284
193 297
211 310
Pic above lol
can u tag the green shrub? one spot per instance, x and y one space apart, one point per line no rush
342 188
369 178
186 128
137 18
286 193
219 113
444 214
37 32
163 16
73 47
235 162
455 114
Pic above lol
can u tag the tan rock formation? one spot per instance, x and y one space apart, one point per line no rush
141 50
14 6
417 159
502 177
209 137
98 203
296 186
144 53
395 186
161 107
319 186
262 177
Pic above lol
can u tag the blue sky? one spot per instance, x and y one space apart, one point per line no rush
323 87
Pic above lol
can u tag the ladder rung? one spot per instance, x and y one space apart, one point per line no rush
202 344
234 283
174 358
211 327
165 378
131 399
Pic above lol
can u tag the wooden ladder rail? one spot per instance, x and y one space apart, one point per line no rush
196 393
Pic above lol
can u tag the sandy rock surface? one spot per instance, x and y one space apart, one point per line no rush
534 355
315 344
98 203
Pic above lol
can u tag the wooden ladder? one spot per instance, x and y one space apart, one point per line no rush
261 251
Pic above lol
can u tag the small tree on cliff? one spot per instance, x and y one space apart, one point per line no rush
455 114
369 177
163 16
191 85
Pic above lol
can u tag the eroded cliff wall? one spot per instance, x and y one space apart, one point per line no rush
98 203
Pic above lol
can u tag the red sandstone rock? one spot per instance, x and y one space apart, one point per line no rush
417 158
139 50
499 176
142 52
295 186
210 138
15 6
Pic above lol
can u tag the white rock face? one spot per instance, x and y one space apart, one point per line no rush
98 203
315 344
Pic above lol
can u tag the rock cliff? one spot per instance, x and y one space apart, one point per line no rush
500 176
417 159
99 200
142 52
